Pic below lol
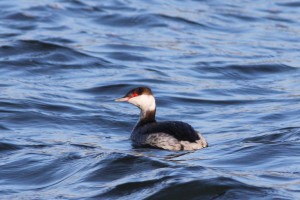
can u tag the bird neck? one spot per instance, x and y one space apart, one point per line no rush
147 116
148 109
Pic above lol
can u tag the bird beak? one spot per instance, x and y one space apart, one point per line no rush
123 99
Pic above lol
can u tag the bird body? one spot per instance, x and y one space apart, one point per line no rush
170 135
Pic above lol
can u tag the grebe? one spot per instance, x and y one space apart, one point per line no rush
170 135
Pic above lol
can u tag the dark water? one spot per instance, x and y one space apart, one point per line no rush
229 68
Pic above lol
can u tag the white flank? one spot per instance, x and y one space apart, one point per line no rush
166 141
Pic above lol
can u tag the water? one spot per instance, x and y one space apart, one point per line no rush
229 68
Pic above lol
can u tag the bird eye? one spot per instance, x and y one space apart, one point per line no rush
135 94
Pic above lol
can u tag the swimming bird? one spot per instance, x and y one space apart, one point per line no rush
169 135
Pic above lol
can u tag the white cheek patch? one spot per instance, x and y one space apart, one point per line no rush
144 102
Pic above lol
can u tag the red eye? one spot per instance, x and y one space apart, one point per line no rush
135 94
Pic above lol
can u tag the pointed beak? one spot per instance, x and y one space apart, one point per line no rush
123 99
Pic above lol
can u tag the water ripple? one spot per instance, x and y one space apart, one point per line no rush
229 68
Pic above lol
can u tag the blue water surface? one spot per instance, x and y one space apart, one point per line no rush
229 68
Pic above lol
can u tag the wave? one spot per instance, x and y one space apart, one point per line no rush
32 54
246 71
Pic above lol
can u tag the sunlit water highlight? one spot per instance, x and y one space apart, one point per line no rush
229 68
